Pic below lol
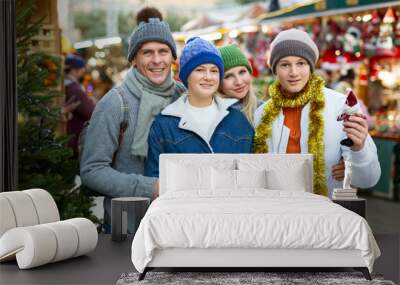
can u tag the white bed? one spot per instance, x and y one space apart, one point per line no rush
220 211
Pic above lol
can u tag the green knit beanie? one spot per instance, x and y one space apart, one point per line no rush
233 56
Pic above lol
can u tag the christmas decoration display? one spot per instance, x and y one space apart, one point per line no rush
385 41
352 40
350 109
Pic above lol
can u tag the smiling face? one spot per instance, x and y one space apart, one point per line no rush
203 83
153 60
236 83
293 73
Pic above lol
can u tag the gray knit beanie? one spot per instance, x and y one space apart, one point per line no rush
293 42
152 31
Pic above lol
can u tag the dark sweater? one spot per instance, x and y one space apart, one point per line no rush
81 114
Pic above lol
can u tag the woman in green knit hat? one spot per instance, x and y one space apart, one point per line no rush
237 80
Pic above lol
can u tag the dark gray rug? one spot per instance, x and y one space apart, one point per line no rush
243 278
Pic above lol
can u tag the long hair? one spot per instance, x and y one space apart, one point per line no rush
249 105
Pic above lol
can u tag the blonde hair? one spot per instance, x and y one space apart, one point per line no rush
249 105
248 102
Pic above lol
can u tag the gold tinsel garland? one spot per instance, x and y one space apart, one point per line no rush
313 93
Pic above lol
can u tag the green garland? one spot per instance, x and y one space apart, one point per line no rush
313 93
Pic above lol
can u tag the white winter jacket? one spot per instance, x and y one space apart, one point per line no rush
366 170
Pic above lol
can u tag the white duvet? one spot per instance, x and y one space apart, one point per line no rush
255 218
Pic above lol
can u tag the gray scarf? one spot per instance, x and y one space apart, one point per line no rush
152 100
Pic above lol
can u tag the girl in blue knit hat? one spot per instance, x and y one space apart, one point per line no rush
199 121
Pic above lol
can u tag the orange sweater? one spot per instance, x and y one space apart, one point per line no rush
292 121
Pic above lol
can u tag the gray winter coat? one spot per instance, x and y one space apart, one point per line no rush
125 177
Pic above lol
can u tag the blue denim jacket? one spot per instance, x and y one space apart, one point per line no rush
171 133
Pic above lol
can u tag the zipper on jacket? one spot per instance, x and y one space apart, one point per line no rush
280 134
192 131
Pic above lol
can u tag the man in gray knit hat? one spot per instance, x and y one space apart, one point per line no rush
301 117
115 147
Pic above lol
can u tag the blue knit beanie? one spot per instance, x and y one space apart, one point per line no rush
74 61
152 31
197 52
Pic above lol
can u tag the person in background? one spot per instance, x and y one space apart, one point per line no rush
115 167
67 106
332 76
102 83
301 117
200 121
75 96
346 82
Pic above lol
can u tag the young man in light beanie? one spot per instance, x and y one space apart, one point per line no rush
301 117
116 146
199 121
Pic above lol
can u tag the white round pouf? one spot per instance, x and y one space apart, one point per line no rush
7 218
45 205
87 235
33 246
23 208
67 240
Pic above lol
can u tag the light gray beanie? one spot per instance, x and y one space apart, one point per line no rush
152 31
293 42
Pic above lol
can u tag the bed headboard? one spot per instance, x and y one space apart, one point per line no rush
283 166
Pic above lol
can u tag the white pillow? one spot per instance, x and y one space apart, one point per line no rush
223 179
251 178
188 177
283 172
292 180
195 174
227 179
